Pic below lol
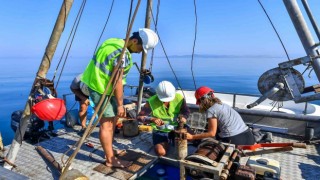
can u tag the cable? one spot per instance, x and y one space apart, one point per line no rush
194 42
275 30
130 14
104 27
156 23
164 51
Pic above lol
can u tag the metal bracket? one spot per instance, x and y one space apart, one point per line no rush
295 62
290 81
291 84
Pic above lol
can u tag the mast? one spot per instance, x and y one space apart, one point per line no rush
42 71
144 56
304 34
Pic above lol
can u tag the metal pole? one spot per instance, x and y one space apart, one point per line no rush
144 57
303 33
182 171
313 22
42 71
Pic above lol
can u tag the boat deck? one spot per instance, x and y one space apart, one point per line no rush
296 164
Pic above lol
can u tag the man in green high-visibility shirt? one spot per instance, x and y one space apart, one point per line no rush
97 75
161 111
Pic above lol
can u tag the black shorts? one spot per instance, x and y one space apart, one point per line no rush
244 138
161 137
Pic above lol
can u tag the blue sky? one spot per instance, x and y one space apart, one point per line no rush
237 27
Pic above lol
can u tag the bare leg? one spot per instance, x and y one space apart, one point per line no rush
83 114
107 126
161 148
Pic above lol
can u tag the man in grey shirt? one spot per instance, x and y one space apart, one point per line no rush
222 118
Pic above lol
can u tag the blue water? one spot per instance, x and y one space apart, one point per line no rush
162 172
234 75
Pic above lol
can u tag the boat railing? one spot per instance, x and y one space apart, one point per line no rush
239 101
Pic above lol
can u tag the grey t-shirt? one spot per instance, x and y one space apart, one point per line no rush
230 122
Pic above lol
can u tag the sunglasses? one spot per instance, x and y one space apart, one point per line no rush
204 97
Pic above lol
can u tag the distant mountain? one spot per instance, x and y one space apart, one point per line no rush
221 56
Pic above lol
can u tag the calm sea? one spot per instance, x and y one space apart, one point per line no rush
234 75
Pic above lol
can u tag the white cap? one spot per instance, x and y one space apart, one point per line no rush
166 91
149 39
84 89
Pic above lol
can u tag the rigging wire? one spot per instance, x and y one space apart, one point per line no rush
72 33
156 30
275 30
165 53
65 19
194 42
104 27
66 57
130 14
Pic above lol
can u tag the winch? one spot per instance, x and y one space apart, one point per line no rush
217 160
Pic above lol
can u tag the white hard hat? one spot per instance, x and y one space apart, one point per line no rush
166 91
84 89
149 39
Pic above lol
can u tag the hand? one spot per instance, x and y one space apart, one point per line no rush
189 136
121 111
158 122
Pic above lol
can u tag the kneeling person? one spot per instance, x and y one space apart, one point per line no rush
161 111
222 117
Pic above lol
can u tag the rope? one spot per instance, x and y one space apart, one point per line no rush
275 30
114 73
72 33
77 21
105 105
95 124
